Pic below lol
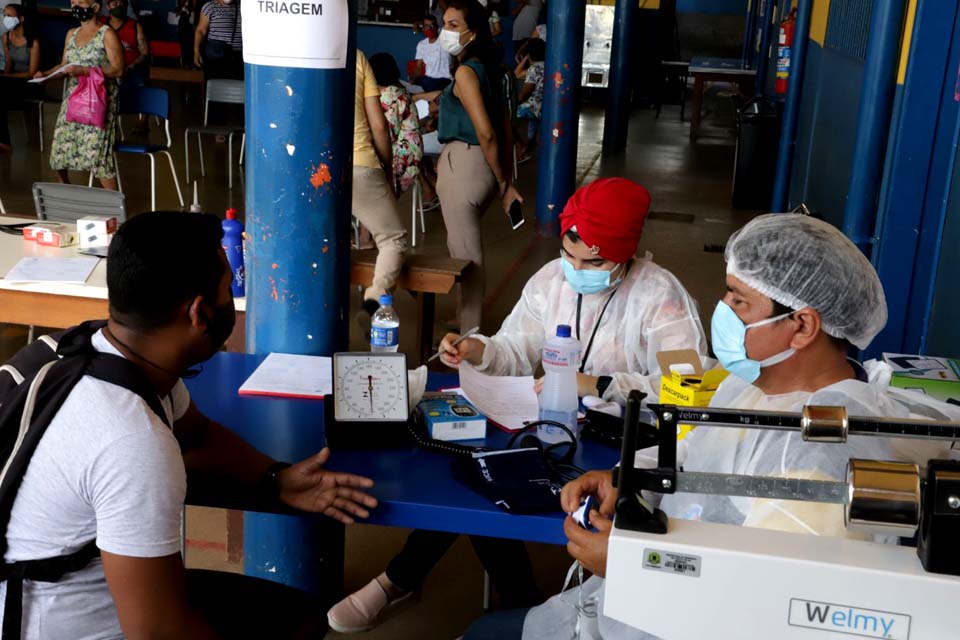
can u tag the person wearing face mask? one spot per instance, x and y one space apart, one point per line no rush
622 309
431 59
109 469
20 49
84 147
799 295
475 127
134 43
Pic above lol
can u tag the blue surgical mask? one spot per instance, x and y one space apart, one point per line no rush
587 281
728 335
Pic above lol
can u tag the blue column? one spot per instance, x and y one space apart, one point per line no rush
560 117
749 34
791 110
299 125
873 121
617 120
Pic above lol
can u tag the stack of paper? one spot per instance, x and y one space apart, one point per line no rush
68 270
291 376
509 402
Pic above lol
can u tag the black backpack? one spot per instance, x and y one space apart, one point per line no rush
34 384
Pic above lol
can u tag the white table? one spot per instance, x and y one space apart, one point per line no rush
62 305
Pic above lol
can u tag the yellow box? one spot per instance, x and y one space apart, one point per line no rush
694 389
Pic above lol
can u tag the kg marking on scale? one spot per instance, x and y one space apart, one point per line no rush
292 8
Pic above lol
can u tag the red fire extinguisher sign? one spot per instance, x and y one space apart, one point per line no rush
787 28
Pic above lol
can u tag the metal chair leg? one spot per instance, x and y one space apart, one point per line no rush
176 181
230 161
243 146
40 118
423 224
2 209
413 215
153 182
203 166
117 164
186 154
90 181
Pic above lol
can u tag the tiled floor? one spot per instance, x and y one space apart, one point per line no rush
690 185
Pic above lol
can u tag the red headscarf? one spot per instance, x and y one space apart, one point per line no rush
608 215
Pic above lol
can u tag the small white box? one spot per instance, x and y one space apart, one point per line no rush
96 231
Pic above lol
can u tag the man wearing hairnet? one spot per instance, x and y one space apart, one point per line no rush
799 293
622 309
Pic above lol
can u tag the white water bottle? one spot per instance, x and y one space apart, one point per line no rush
385 327
558 399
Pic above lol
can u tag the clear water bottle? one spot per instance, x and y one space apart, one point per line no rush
385 327
558 400
233 246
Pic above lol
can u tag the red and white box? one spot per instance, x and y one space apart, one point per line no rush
51 234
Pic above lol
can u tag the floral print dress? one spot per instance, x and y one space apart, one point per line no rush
83 147
404 126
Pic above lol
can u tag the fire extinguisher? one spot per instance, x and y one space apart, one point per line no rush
787 28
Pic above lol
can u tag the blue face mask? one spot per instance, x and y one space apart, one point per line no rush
728 335
587 281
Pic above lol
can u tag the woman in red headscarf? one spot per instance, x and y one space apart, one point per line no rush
622 308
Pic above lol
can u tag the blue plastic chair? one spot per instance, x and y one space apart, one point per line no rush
150 102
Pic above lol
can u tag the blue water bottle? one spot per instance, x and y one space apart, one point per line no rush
233 247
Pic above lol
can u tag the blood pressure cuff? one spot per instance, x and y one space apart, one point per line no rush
516 480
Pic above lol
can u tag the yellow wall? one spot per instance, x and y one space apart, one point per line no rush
818 21
907 38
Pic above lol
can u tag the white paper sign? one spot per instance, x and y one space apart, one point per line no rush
306 34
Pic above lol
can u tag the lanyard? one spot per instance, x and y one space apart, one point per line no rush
596 325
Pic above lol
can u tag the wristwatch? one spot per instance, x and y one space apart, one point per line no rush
602 383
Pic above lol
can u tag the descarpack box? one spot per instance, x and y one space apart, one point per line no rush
96 231
687 384
935 376
450 416
51 234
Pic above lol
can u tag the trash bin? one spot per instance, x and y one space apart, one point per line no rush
755 166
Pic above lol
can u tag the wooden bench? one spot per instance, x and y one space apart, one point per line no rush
423 276
176 74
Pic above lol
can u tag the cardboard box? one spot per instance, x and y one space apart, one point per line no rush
695 388
51 234
96 231
450 416
935 376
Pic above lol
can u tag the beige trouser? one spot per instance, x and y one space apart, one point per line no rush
466 184
376 208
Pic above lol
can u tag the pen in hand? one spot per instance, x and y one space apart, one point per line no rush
455 343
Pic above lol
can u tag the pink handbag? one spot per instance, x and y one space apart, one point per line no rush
88 102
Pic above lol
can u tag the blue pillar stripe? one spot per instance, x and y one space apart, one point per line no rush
617 121
559 120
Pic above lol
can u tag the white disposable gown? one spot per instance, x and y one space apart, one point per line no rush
745 451
650 311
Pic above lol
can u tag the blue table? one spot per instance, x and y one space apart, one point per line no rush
414 487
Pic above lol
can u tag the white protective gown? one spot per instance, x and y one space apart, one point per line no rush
649 312
745 451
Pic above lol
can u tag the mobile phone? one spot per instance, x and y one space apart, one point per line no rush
516 214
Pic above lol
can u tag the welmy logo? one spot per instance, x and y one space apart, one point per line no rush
839 618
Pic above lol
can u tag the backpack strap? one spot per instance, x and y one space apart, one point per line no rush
45 570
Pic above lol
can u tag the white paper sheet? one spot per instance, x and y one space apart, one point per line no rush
423 109
68 270
510 401
288 375
304 34
58 72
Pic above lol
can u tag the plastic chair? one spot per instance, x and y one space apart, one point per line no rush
148 101
225 92
2 209
69 202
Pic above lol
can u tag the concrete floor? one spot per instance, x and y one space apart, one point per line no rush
691 218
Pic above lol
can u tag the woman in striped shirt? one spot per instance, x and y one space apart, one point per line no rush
218 42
